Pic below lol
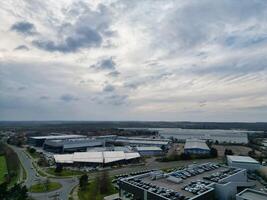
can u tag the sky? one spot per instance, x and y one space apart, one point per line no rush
167 60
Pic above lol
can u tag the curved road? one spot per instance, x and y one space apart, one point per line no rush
33 178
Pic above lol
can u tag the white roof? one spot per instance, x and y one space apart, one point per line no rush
196 144
64 158
95 157
149 142
129 156
50 137
151 148
112 156
242 159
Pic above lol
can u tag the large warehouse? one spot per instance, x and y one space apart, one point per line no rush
38 141
134 141
71 145
197 182
244 162
196 146
104 158
221 136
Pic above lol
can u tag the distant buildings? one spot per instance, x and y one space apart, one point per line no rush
71 145
244 162
220 136
93 159
196 147
38 141
135 141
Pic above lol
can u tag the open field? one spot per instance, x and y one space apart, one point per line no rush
3 168
40 187
64 173
237 149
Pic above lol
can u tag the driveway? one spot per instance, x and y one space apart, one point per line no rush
33 178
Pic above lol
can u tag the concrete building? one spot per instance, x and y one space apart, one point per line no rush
196 182
221 136
38 141
149 151
250 194
105 158
244 162
134 141
71 145
196 147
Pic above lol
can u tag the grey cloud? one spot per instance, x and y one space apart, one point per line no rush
22 48
114 74
111 99
116 99
84 37
68 98
201 22
147 80
44 97
22 88
108 88
24 28
87 31
104 64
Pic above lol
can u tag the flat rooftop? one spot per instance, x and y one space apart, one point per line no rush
250 194
51 137
219 171
242 159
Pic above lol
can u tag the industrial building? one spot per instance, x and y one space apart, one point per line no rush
244 162
196 182
134 141
38 141
104 158
149 151
250 194
71 145
196 147
220 136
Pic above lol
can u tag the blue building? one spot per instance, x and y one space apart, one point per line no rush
196 147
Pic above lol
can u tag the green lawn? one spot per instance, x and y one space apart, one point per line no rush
65 172
40 187
3 168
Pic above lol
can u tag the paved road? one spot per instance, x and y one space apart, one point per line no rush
33 177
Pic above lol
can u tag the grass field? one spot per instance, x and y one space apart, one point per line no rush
64 173
40 187
3 168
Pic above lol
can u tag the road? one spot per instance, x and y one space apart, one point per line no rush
33 178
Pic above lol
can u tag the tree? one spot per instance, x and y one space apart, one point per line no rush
260 159
83 181
46 184
42 162
228 152
17 192
104 181
213 152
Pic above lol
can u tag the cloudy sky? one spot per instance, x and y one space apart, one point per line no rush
133 60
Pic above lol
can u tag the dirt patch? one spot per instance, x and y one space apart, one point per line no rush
237 149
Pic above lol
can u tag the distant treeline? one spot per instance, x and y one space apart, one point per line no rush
96 125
